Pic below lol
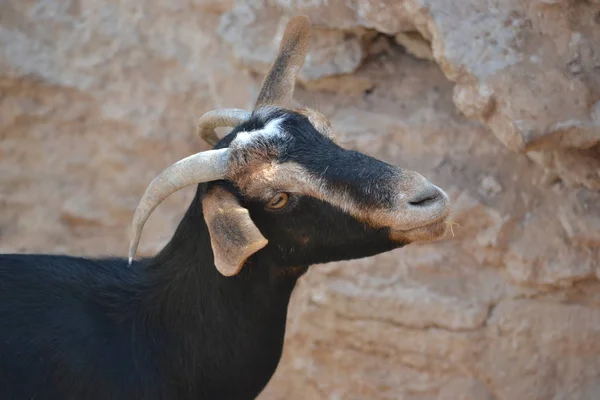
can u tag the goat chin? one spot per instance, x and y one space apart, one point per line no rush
435 231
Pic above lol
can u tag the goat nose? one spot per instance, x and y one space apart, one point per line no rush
427 196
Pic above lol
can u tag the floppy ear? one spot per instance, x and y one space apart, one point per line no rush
278 87
233 235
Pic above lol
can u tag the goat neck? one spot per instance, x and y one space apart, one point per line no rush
246 325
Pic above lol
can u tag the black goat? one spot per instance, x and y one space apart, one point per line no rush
274 196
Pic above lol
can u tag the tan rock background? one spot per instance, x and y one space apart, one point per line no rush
497 101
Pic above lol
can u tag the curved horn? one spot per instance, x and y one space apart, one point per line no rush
201 167
219 118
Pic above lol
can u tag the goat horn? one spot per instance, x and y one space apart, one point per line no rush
219 118
201 167
278 86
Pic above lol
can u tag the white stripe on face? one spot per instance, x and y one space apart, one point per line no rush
271 130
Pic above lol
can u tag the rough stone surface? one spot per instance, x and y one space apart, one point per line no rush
530 71
249 32
97 97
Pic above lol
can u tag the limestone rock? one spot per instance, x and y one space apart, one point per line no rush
249 32
529 71
415 44
537 65
97 98
575 167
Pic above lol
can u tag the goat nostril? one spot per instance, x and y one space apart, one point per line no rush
428 196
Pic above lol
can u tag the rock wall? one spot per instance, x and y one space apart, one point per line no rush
496 101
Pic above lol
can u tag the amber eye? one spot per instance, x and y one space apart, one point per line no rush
279 201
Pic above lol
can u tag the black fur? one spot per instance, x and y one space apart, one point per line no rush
171 327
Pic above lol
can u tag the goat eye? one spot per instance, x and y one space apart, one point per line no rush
279 201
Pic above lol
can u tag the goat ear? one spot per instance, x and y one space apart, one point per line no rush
233 235
318 120
278 86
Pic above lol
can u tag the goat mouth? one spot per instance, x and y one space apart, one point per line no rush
429 232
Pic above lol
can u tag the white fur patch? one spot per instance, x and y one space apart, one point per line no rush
272 129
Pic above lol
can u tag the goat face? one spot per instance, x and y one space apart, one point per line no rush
279 184
316 202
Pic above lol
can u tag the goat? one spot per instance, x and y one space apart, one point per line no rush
205 317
